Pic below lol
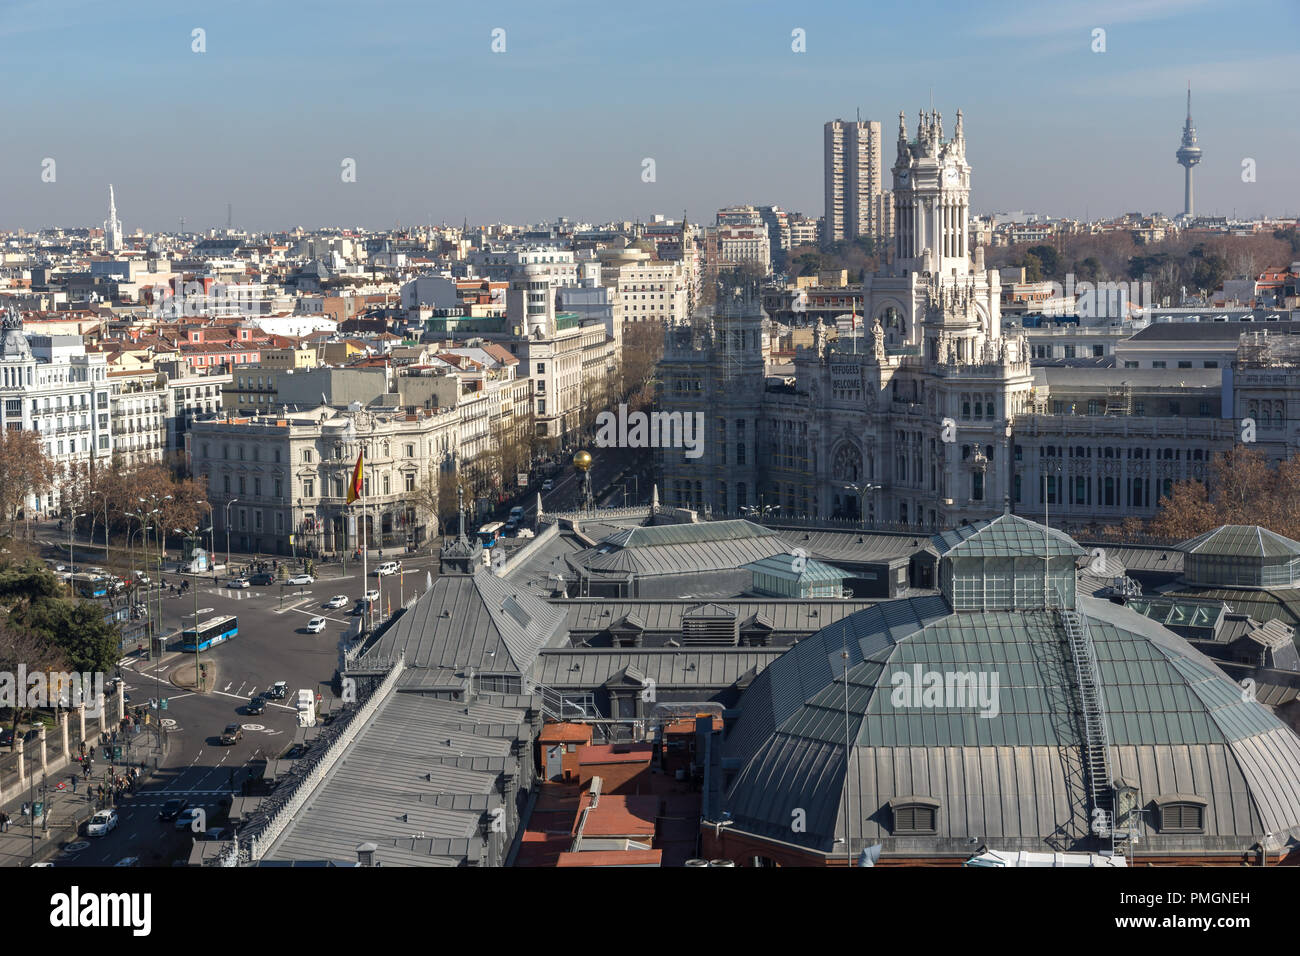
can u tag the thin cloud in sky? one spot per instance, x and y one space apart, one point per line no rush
1036 20
1248 75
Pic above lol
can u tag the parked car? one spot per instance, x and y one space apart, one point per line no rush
185 819
279 690
301 579
237 583
262 580
256 705
102 823
338 600
7 737
231 735
172 808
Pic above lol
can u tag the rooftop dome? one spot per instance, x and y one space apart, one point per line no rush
1245 556
964 727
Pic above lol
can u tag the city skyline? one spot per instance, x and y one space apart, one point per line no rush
448 130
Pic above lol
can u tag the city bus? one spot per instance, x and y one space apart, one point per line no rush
211 632
89 585
489 533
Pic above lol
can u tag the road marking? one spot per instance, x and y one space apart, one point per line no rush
224 694
292 607
228 686
188 693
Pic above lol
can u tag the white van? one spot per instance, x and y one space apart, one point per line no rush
388 567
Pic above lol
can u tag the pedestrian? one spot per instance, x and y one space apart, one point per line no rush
4 822
74 783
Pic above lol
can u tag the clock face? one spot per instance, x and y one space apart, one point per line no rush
903 176
951 176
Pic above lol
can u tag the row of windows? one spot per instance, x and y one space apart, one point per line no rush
336 485
1172 408
922 818
1085 451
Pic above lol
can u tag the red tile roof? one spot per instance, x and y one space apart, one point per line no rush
565 734
631 816
605 753
612 858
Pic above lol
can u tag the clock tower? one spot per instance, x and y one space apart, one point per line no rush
932 199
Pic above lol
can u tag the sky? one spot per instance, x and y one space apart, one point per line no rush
442 129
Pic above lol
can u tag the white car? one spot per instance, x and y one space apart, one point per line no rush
316 625
372 594
102 823
237 583
301 579
337 600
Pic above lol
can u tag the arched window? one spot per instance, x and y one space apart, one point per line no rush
914 815
1181 813
846 465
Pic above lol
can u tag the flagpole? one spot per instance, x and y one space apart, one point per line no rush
365 546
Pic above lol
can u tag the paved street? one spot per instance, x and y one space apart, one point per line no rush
273 645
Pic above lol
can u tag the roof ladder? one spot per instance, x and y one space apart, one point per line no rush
1096 737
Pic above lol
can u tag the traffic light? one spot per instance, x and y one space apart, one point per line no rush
163 703
117 753
108 753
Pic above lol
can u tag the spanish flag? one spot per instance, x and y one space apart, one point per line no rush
354 489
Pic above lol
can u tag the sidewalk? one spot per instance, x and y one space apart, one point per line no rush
68 810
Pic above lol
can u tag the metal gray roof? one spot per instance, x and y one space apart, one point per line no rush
812 572
1242 541
1006 536
708 531
784 616
585 669
400 784
856 546
477 621
1177 724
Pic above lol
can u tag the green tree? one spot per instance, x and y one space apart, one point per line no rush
1033 268
1050 262
32 597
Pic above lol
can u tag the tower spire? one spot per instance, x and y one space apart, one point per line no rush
112 227
1188 155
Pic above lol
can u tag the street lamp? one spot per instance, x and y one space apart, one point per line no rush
193 536
72 559
228 504
860 491
104 494
212 530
